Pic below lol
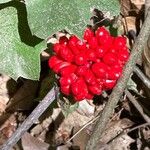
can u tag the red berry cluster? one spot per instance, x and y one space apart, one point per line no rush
89 66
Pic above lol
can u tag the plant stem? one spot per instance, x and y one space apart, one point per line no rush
137 106
141 75
36 113
120 86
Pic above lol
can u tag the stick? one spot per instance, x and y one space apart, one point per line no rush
141 75
36 113
120 86
137 106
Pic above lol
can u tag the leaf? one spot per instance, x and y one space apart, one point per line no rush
69 108
4 1
131 85
46 17
17 58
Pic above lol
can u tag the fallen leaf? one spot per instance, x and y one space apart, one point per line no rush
31 143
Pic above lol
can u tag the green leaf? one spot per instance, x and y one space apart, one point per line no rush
4 1
69 108
16 58
131 85
49 16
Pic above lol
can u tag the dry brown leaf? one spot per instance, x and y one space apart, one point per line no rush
85 108
31 143
81 138
8 126
114 128
23 99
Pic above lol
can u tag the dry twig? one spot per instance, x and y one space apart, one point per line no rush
137 106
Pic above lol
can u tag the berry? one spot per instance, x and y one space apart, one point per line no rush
66 54
65 89
100 51
110 59
80 59
57 68
100 70
89 66
109 84
88 34
54 60
68 70
57 47
95 89
89 77
79 87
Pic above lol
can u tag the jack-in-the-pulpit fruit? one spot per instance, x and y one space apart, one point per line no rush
89 66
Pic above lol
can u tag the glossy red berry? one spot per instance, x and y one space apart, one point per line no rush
114 73
93 43
63 40
89 77
66 54
54 60
100 70
110 59
100 51
88 34
109 84
79 87
65 89
57 47
95 89
80 59
57 68
65 71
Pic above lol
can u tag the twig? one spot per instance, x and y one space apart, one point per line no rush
141 75
137 106
36 113
120 86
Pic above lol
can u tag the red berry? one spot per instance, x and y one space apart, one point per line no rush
66 54
67 80
56 47
100 70
81 46
123 54
63 40
68 70
64 81
109 84
79 87
114 73
110 59
100 51
95 89
89 96
57 68
54 60
103 36
81 70
93 43
119 42
65 89
80 59
91 55
73 44
79 97
88 34
89 77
